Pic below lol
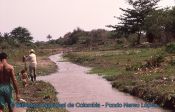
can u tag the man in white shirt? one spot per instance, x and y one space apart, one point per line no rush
32 64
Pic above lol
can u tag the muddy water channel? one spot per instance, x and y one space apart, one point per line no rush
91 93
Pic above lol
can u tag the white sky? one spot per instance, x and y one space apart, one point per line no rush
57 17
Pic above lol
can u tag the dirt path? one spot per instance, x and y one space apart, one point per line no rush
74 85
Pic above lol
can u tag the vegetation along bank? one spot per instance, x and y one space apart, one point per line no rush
147 73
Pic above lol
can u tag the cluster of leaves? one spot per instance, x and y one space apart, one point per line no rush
133 67
160 24
151 63
145 19
170 48
172 62
17 37
132 21
155 61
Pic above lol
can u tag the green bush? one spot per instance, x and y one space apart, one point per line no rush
155 61
79 59
172 62
83 59
133 67
170 48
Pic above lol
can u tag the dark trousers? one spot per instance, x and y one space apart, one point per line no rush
32 73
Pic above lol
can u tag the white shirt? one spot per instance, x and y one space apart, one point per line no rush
32 60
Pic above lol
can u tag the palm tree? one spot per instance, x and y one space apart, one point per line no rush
49 37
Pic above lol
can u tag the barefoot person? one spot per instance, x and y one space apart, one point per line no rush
32 64
6 76
24 78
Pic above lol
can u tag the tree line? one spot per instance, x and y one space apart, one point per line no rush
81 38
143 21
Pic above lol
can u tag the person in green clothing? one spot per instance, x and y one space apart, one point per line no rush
6 76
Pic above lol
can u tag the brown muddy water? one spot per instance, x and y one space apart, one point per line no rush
74 85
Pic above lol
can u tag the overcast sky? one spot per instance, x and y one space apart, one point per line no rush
57 17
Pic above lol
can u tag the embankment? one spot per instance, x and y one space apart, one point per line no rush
125 69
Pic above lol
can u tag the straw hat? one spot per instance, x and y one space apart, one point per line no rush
32 51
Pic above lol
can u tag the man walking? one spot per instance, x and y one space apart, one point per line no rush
32 64
6 75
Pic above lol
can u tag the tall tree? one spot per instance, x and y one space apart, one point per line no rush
22 35
160 24
170 26
49 37
1 37
155 24
132 20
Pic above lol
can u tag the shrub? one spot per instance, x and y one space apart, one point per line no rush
170 48
133 67
155 61
172 62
